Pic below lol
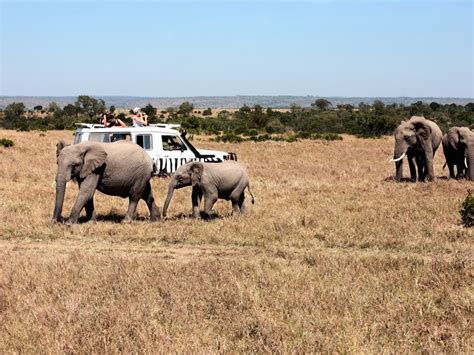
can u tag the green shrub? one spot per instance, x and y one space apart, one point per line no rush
467 210
6 143
229 138
327 137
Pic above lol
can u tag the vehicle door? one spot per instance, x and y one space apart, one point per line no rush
146 141
173 153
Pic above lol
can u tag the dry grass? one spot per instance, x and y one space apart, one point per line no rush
332 257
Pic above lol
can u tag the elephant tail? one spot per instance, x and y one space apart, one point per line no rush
250 192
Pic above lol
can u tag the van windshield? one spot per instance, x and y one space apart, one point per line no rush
173 143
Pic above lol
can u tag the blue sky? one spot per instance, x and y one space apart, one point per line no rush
201 48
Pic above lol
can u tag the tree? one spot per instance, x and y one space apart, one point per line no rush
258 118
53 107
71 110
90 105
294 108
186 108
15 108
207 112
322 104
435 106
379 107
363 107
38 108
150 110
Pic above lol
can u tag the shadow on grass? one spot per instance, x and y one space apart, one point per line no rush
408 180
188 216
111 217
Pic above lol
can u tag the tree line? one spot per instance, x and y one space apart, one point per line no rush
256 122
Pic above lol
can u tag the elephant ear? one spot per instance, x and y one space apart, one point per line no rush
464 134
196 172
59 146
94 157
422 129
453 138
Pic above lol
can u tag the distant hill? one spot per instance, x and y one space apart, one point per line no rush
224 101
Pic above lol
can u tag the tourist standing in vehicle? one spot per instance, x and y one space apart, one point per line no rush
103 118
140 118
117 122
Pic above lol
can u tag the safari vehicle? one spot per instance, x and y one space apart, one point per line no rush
168 147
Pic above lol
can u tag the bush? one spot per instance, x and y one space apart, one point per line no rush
6 143
467 210
229 138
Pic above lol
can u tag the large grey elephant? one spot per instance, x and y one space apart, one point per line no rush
418 138
458 147
118 169
227 180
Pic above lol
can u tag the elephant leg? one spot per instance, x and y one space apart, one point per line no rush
196 198
90 213
451 170
235 206
242 202
461 167
147 196
412 169
86 193
399 170
421 168
209 201
132 207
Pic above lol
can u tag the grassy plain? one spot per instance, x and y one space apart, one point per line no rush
334 256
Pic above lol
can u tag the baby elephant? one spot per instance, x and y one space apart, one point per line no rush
226 180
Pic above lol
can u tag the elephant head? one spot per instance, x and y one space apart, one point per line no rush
461 139
75 162
189 174
422 137
408 134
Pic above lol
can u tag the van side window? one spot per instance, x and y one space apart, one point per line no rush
99 137
172 143
145 141
120 136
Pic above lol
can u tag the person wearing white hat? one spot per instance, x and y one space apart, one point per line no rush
140 119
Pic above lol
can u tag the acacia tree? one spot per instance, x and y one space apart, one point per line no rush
185 108
90 105
322 104
15 108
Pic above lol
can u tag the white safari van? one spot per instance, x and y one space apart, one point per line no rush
168 148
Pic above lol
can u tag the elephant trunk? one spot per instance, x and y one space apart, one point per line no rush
400 150
61 183
58 205
398 154
168 199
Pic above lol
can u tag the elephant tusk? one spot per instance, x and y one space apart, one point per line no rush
401 157
465 163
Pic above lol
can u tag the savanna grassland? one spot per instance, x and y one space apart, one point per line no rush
334 256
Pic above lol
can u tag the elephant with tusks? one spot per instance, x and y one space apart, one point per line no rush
418 139
458 147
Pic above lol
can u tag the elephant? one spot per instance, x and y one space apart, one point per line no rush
226 180
417 138
118 169
458 147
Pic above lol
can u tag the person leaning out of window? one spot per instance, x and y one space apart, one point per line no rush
140 118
